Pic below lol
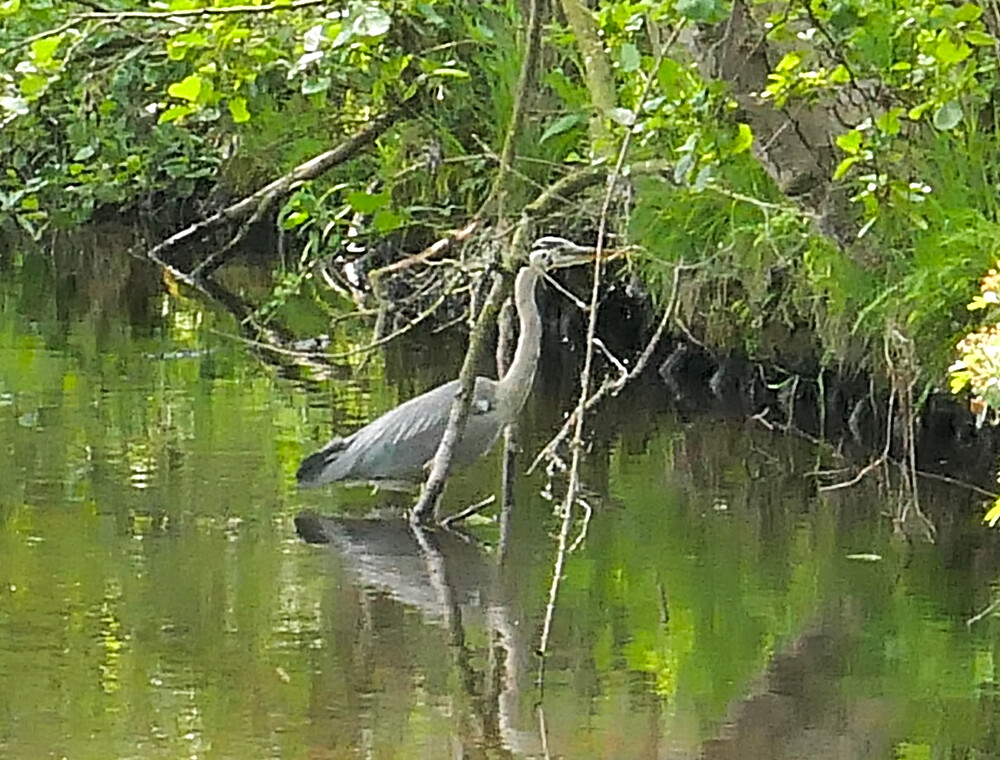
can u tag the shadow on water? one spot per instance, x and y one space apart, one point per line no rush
156 602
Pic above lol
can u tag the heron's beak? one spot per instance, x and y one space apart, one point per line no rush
582 256
566 253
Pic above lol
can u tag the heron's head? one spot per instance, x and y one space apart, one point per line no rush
552 252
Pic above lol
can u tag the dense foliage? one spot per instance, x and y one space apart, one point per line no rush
122 105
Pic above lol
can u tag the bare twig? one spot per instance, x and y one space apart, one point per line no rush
576 445
435 249
990 609
588 512
875 463
615 387
468 511
410 324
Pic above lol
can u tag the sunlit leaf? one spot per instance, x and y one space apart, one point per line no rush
844 166
849 142
447 71
14 105
294 219
980 39
888 123
32 84
313 38
313 85
949 53
967 12
366 203
174 113
187 89
386 221
42 50
744 139
238 110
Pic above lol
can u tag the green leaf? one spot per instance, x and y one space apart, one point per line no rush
238 110
42 50
948 116
629 58
432 15
313 85
669 75
187 89
622 116
967 12
744 139
14 105
178 45
789 61
840 75
366 203
888 123
446 71
704 11
174 113
294 219
993 515
32 84
560 125
9 7
948 52
849 142
981 39
85 153
915 113
844 165
370 19
386 221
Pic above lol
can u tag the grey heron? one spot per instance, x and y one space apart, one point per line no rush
392 451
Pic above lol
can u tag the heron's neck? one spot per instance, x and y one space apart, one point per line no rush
516 383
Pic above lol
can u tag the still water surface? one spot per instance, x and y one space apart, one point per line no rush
155 601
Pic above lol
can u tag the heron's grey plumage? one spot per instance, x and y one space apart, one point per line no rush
393 450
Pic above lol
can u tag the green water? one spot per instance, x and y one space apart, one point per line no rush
155 601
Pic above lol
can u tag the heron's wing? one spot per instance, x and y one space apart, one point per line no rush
405 438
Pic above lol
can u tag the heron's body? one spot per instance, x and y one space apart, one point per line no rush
393 451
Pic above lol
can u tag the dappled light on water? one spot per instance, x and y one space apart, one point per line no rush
156 602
